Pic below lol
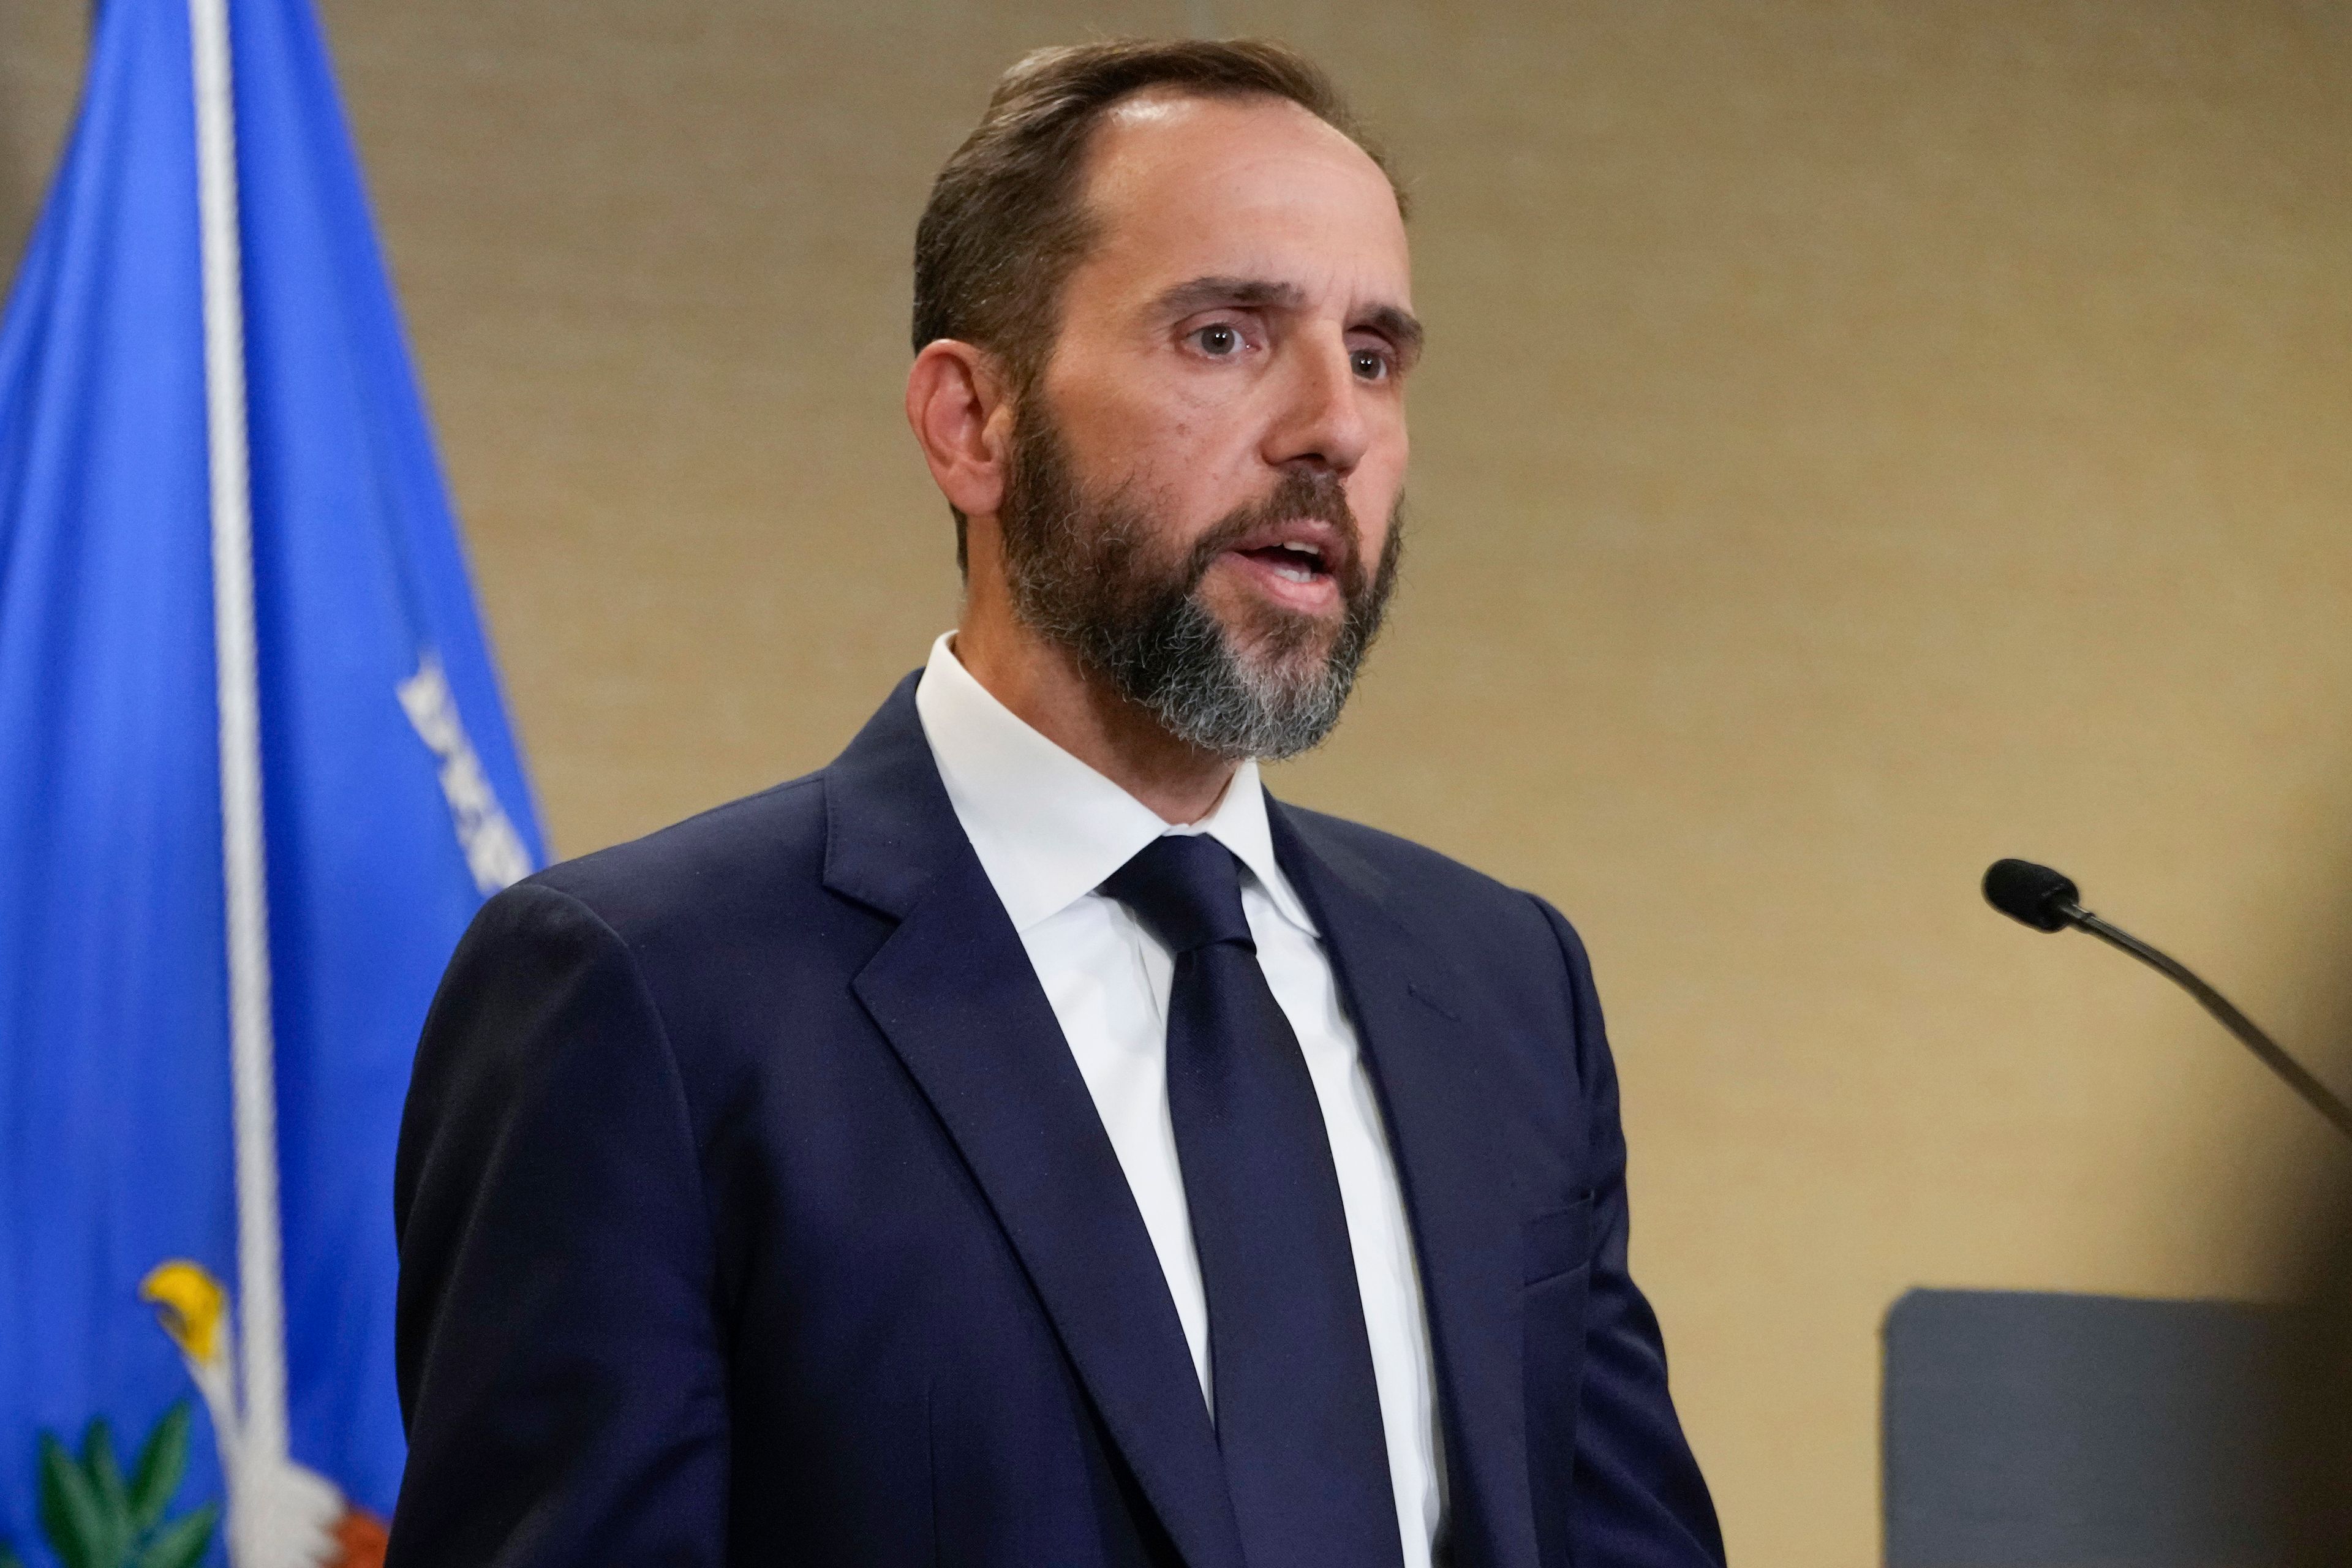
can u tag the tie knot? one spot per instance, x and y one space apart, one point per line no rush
1187 889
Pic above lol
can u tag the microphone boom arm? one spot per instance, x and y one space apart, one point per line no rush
2314 1094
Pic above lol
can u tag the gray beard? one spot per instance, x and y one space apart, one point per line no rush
1082 573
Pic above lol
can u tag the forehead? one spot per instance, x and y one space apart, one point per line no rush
1183 186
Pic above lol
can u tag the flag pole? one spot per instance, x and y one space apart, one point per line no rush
261 1310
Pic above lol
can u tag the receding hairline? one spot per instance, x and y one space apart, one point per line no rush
1136 107
1393 318
1021 184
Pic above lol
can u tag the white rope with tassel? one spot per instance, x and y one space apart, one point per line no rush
260 1279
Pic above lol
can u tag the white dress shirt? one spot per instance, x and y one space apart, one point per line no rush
1048 829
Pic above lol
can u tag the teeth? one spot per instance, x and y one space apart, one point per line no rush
1296 573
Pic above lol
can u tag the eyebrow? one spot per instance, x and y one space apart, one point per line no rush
1395 323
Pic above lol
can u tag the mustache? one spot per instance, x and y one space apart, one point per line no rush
1320 497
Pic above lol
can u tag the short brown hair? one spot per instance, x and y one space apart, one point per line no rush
1006 221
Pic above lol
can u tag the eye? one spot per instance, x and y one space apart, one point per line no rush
1218 340
1370 365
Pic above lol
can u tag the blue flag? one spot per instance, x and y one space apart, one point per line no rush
195 1354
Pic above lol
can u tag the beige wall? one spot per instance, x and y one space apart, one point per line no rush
1859 441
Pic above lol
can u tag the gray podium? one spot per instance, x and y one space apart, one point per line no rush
2023 1430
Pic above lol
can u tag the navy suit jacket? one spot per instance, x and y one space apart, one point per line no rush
752 1210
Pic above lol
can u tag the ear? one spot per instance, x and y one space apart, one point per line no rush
961 413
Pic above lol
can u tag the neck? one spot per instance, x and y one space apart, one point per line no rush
1077 708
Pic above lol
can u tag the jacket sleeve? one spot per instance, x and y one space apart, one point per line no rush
561 1370
1639 1500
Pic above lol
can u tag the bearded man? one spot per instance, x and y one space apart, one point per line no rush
1024 1142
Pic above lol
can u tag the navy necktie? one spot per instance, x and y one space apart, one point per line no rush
1298 1413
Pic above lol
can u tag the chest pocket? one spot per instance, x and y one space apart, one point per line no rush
1557 1248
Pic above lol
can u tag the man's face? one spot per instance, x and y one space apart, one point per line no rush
1206 475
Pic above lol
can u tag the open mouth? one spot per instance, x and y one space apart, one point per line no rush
1296 563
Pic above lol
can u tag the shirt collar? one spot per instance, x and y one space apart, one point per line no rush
1047 828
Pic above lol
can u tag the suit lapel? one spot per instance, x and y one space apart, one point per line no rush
953 991
1411 1014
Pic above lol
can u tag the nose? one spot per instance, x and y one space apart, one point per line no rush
1322 423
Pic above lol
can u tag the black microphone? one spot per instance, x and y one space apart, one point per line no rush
2047 900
